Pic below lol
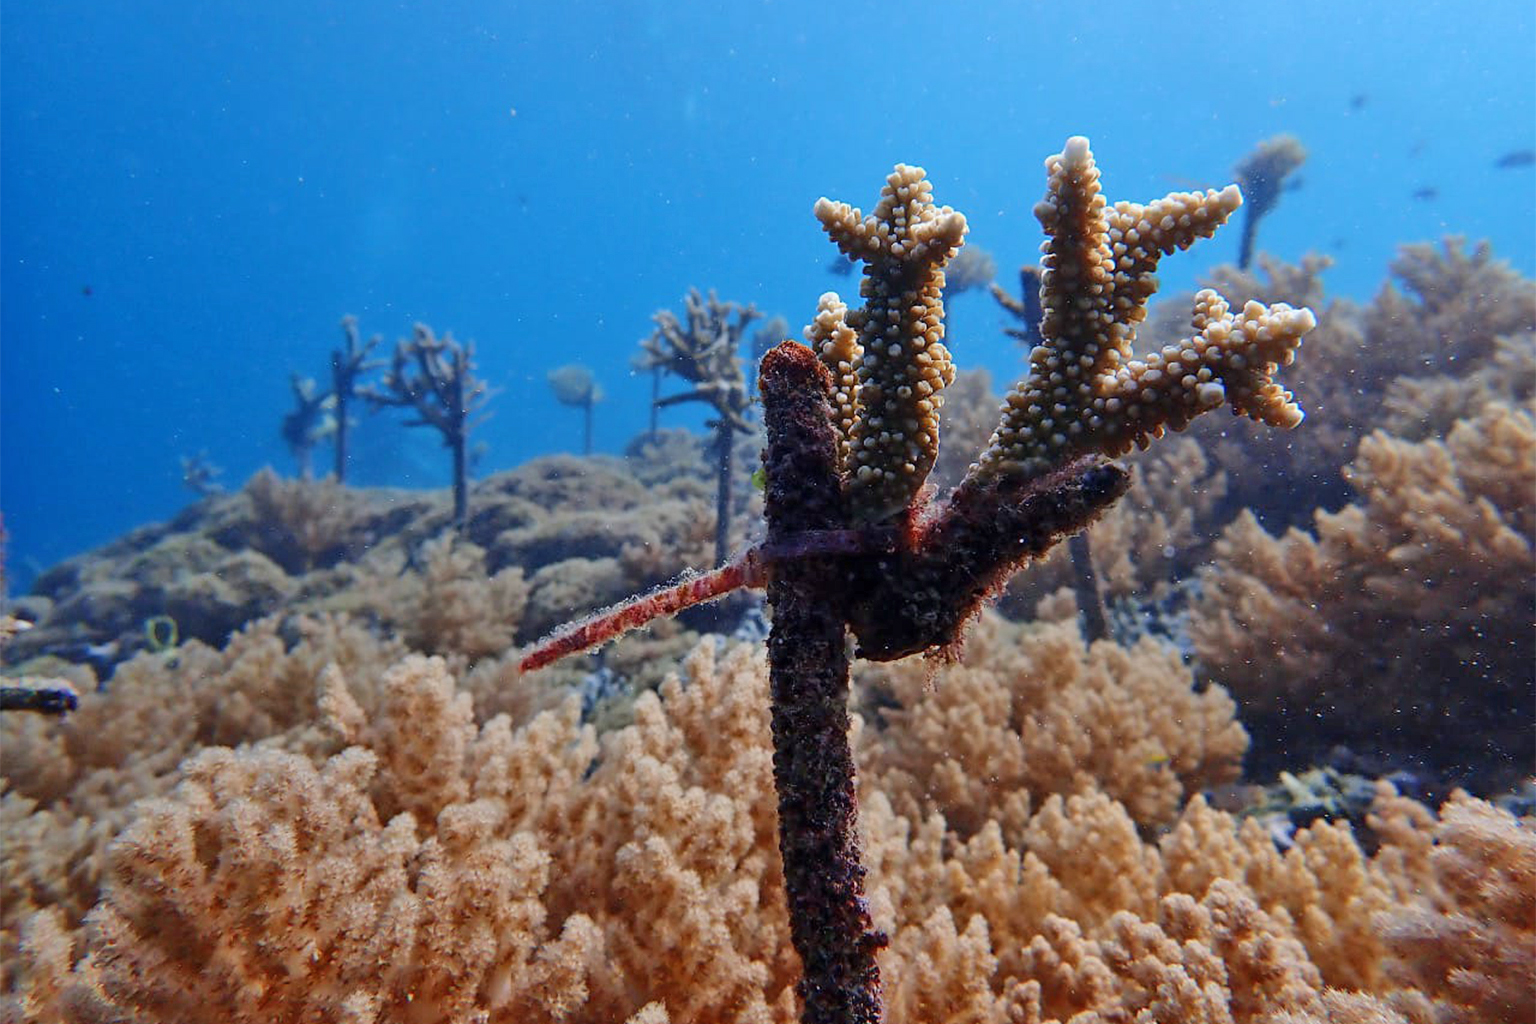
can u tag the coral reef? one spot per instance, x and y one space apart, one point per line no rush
295 545
1430 572
300 817
391 856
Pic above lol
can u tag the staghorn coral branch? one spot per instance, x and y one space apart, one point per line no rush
706 354
922 573
1085 394
348 364
899 359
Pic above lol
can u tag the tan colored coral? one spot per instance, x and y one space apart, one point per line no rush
312 520
900 359
1449 304
1472 949
1425 352
69 785
837 346
704 352
453 605
448 869
1085 392
1420 408
1431 572
1034 712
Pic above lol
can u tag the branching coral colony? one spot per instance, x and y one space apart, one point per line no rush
853 543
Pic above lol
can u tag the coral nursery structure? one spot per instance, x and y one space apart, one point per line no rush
706 353
852 434
348 364
434 379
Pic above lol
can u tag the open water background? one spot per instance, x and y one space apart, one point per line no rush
193 194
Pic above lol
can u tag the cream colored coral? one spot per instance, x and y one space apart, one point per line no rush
837 346
453 605
1442 534
1033 712
1084 392
900 361
532 872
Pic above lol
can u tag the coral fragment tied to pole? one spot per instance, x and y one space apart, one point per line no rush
855 543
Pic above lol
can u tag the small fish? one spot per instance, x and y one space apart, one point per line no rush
85 290
1358 100
760 479
1425 194
1516 158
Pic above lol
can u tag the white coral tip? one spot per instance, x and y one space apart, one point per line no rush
1075 152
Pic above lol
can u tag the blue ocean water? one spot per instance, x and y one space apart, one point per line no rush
193 195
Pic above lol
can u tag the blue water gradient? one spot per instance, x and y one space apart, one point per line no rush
192 195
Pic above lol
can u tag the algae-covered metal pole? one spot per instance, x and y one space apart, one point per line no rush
813 767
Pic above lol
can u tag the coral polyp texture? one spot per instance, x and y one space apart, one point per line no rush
1085 392
899 363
